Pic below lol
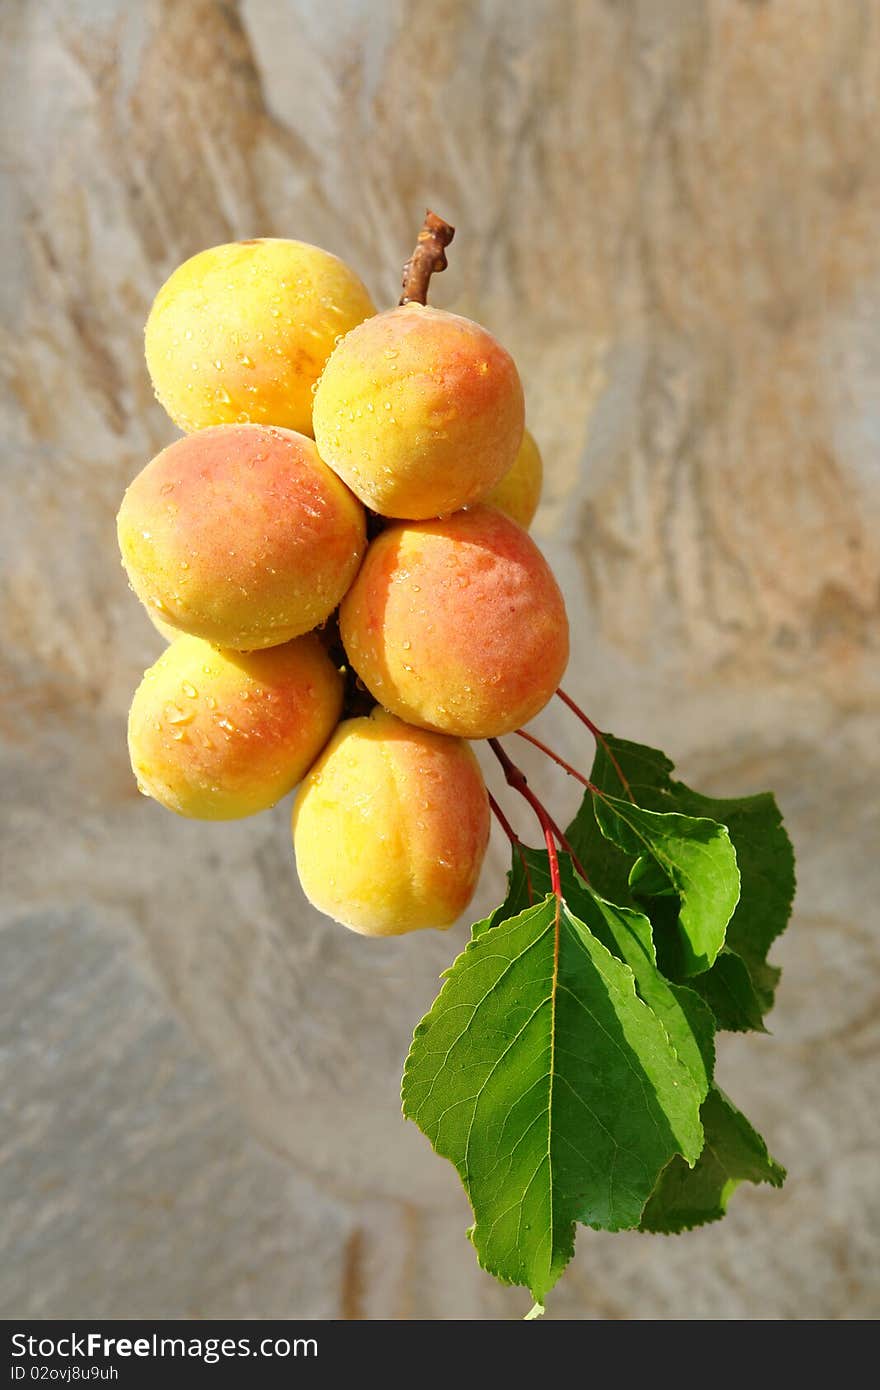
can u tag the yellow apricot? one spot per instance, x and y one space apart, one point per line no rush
519 492
390 827
241 535
457 624
419 411
218 734
241 332
164 629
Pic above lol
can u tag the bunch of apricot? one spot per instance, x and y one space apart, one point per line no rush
312 423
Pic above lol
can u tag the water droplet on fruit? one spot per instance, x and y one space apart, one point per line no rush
218 364
166 488
245 360
147 535
222 395
175 715
212 703
177 734
387 405
142 789
189 690
406 644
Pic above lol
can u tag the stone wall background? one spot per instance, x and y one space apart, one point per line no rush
670 215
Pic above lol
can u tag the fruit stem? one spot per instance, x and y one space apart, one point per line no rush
599 737
517 779
572 771
515 841
427 259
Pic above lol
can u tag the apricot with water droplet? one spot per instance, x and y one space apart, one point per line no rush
419 411
254 321
246 737
390 827
482 613
298 536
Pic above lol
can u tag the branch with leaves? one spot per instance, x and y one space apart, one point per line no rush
567 1065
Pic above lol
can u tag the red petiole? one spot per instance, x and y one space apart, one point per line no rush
599 737
517 779
515 841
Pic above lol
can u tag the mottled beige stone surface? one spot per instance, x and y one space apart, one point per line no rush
670 214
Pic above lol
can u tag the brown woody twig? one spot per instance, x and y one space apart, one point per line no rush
428 257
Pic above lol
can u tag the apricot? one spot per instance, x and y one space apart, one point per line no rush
390 827
241 332
519 492
164 629
457 624
419 411
218 734
241 535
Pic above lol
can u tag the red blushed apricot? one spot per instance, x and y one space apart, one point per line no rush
221 734
419 411
457 624
390 827
241 535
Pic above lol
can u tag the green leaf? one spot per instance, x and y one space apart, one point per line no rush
552 1087
728 988
647 880
646 771
766 864
763 850
734 1153
627 934
689 1024
697 858
731 995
